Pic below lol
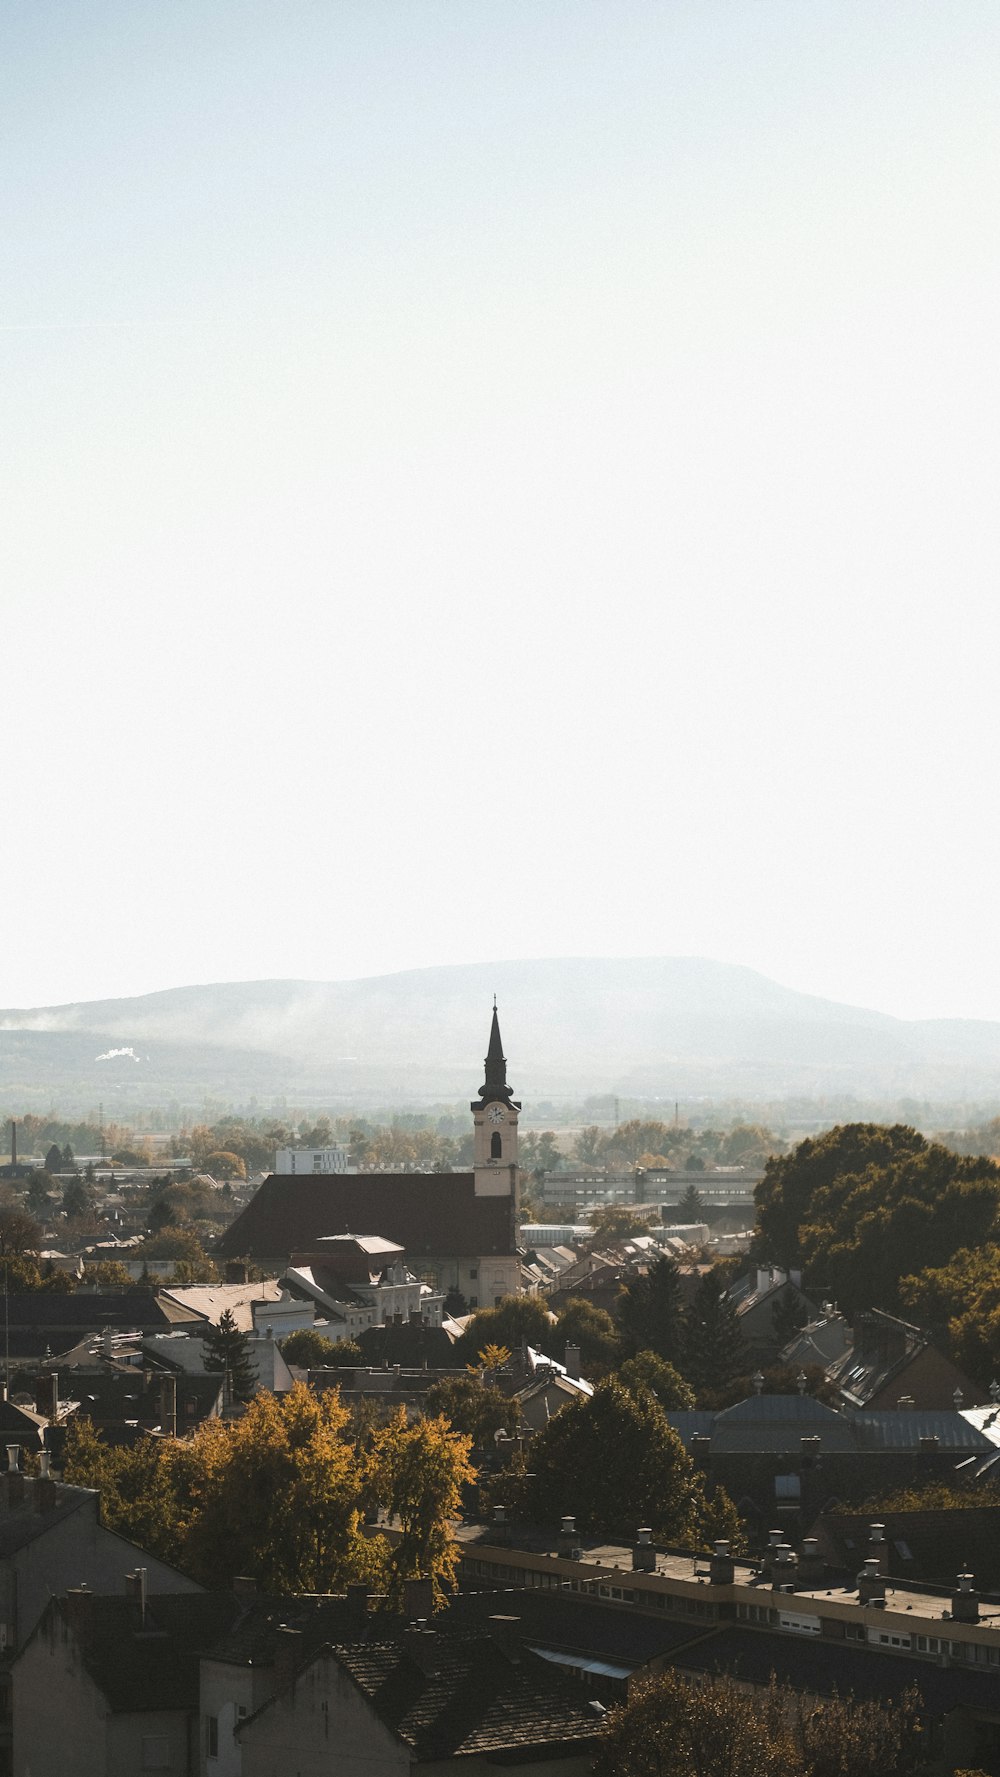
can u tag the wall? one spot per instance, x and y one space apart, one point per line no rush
319 1725
59 1715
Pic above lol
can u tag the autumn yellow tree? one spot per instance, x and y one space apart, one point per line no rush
419 1471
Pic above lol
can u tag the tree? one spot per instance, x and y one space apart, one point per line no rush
78 1199
472 1406
714 1349
19 1232
666 1384
588 1145
648 1311
309 1350
591 1328
615 1221
791 1182
419 1472
960 1302
691 1207
109 1274
227 1351
53 1159
670 1727
222 1165
513 1319
615 1462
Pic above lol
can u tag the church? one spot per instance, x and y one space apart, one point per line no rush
459 1230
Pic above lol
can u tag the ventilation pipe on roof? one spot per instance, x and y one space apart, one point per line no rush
871 1584
721 1567
643 1552
965 1602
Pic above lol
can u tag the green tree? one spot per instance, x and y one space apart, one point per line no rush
791 1182
960 1302
666 1384
53 1159
649 1314
615 1462
227 1351
588 1145
714 1349
309 1350
472 1406
691 1207
513 1319
78 1199
614 1222
591 1328
220 1164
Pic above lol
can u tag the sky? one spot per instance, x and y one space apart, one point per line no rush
497 479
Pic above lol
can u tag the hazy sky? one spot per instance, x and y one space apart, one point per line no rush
497 480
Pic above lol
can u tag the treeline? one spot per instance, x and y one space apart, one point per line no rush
880 1217
285 1493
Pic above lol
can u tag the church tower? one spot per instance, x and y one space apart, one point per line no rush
495 1115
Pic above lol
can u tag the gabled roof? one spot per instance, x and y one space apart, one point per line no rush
207 1303
446 1696
429 1214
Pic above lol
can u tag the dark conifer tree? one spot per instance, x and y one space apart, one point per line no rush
227 1350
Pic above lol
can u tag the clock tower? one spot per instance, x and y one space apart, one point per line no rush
495 1115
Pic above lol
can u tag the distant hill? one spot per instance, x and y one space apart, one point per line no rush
670 1026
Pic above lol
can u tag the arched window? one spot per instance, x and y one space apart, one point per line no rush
496 1151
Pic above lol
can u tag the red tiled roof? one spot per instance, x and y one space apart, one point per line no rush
429 1214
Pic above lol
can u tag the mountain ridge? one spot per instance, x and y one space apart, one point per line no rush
649 1026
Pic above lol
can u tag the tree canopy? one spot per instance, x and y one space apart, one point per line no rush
648 1311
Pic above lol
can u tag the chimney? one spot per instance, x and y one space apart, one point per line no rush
43 1487
500 1530
168 1405
572 1360
13 1142
244 1586
721 1568
568 1543
643 1552
775 1538
878 1548
905 1403
506 1632
287 1650
965 1602
785 1567
52 1404
871 1584
929 1443
423 1647
701 1448
15 1479
357 1604
809 1449
135 1586
418 1599
812 1567
763 1279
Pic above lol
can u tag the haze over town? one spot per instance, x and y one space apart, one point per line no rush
500 482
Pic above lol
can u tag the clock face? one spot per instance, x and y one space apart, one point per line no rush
496 1114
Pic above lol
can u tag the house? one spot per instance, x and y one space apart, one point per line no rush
767 1301
459 1230
198 1305
421 1701
889 1362
352 1282
784 1458
112 1683
49 1533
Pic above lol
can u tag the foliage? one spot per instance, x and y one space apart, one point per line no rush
667 1385
220 1164
779 1379
227 1351
310 1350
613 1222
960 1302
791 1182
591 1328
279 1494
839 1204
513 1319
615 1462
648 1311
670 1727
714 1349
109 1273
185 1247
691 1207
474 1407
19 1232
419 1472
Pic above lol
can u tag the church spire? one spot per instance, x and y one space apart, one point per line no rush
495 1089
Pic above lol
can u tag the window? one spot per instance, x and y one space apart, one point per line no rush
155 1752
473 1301
496 1148
473 1273
212 1736
241 1712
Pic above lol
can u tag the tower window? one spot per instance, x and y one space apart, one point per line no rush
495 1146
